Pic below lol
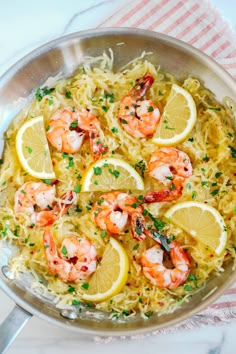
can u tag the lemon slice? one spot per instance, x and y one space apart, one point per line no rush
111 174
202 222
178 118
32 149
111 274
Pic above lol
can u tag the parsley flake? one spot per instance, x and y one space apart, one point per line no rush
64 251
85 286
68 94
97 171
115 173
233 151
77 188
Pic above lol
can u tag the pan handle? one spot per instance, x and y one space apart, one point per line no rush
12 326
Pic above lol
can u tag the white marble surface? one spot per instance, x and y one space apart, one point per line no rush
24 25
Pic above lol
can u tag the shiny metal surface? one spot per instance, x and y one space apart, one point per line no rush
11 327
62 56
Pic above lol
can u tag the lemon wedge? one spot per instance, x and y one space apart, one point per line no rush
202 222
178 118
111 174
33 150
111 274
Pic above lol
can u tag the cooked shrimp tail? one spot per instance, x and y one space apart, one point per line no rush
75 260
142 85
97 146
138 226
158 274
166 195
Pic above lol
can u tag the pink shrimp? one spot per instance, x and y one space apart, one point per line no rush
67 130
113 210
158 274
37 200
171 167
139 117
75 260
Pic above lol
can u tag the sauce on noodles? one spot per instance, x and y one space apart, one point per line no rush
98 89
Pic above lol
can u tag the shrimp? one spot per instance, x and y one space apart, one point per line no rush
139 117
67 130
36 199
158 274
75 260
170 167
113 210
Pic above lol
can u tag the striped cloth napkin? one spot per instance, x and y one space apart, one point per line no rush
201 25
195 22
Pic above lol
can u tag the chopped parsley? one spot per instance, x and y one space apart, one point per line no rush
68 94
141 165
77 188
150 109
204 183
103 233
215 108
167 126
15 232
110 96
214 192
158 223
136 247
71 162
191 277
4 231
123 121
205 158
115 173
218 174
47 181
194 195
97 171
71 289
188 287
148 314
64 251
233 151
78 209
125 313
29 149
41 92
75 302
85 286
114 130
105 108
74 124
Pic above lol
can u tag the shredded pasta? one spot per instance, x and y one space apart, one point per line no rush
97 88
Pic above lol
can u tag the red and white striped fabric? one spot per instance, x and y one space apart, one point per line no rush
195 22
201 25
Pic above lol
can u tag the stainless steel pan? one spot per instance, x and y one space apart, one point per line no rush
62 56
